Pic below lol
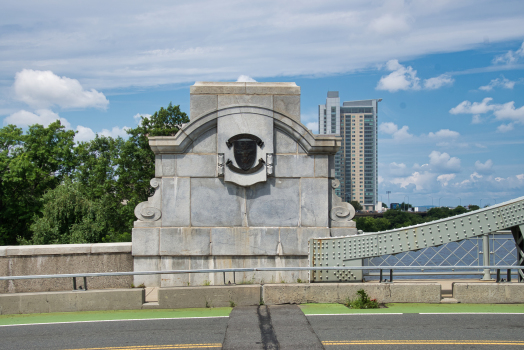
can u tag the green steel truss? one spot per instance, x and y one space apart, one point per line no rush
350 250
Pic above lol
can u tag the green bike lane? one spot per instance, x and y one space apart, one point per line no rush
308 309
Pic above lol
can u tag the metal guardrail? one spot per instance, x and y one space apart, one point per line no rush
338 269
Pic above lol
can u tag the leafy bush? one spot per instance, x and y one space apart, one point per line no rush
362 301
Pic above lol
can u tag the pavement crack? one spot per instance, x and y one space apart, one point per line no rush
269 338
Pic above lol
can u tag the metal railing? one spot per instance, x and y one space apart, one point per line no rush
380 269
454 255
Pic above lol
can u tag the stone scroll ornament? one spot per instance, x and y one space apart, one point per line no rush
341 212
145 211
245 152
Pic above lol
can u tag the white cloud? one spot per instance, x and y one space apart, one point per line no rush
84 134
476 119
484 168
505 127
405 78
499 82
421 180
392 129
443 162
475 176
508 111
389 24
115 132
466 107
41 116
510 57
228 40
444 179
42 89
138 117
444 133
400 78
397 169
313 126
438 82
245 79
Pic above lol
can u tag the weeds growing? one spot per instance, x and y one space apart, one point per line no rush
362 301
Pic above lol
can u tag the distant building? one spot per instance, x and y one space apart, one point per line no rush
356 164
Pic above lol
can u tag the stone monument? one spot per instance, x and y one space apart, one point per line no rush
244 184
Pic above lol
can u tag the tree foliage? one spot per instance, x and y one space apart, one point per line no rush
30 164
396 218
356 205
55 191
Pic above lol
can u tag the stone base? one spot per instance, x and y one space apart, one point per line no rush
90 300
344 231
216 296
218 262
275 294
488 293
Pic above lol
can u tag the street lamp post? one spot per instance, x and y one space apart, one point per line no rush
460 203
388 192
439 201
431 201
481 202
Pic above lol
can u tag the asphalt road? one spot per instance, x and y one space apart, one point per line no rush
440 331
278 328
115 334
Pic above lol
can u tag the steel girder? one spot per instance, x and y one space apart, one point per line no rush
350 250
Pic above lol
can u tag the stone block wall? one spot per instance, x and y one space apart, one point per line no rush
206 215
63 259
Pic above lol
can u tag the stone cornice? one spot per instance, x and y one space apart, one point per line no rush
312 144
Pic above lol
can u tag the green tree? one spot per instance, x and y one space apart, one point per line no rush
69 215
398 218
405 206
136 163
356 205
459 210
30 164
97 172
368 224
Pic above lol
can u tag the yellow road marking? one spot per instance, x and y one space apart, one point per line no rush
424 342
159 347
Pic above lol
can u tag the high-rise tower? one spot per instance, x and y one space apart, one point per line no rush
356 163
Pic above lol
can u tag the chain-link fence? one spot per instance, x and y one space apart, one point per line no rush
467 252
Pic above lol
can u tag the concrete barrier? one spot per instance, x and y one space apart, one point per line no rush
209 296
488 293
299 293
90 300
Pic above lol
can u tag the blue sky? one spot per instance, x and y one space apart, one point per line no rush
450 75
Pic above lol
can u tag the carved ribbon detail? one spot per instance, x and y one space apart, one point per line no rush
269 163
220 164
259 142
252 170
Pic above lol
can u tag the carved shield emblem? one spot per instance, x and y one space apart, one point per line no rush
245 152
